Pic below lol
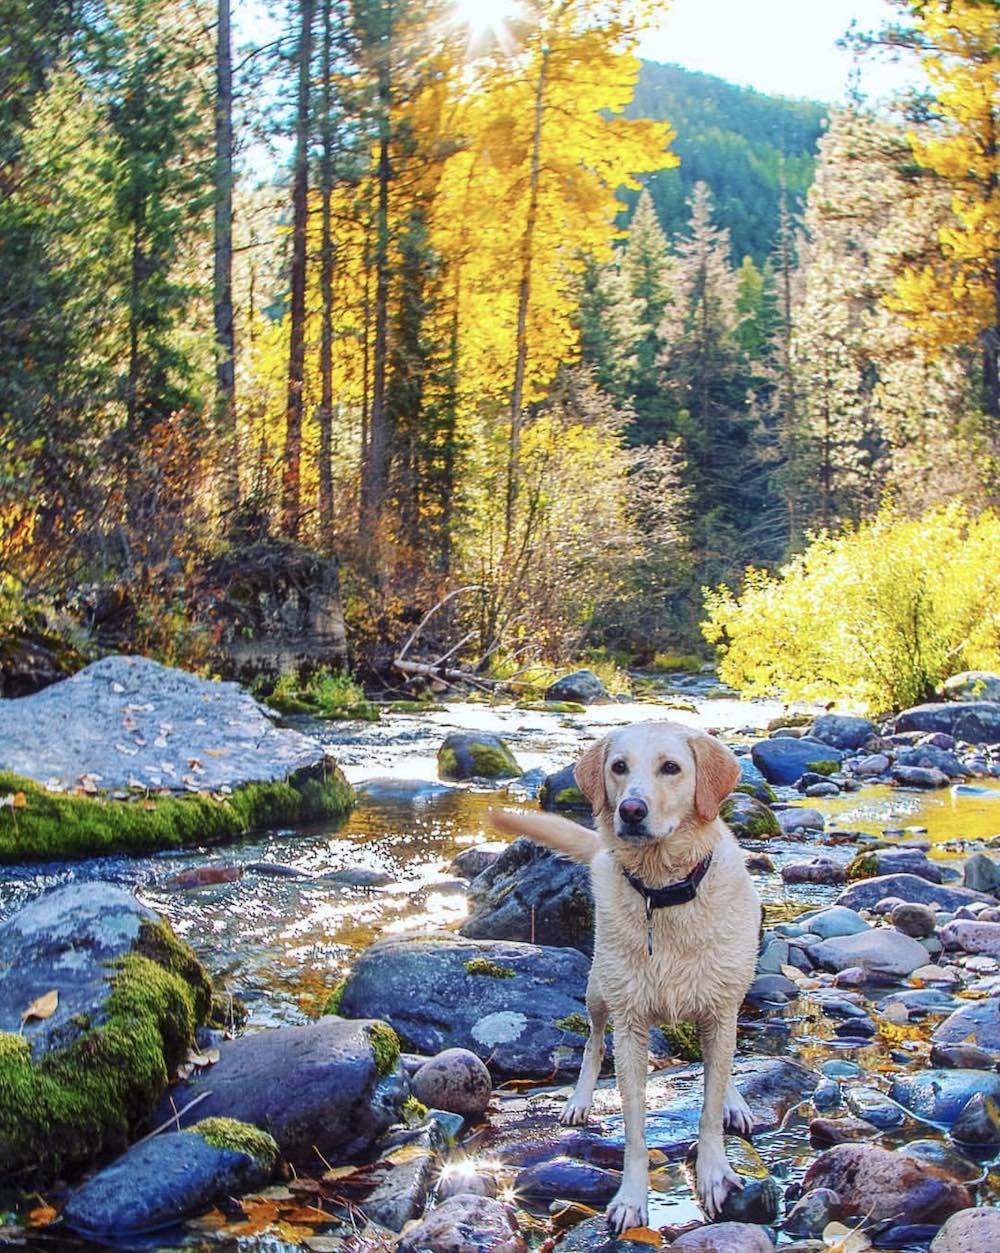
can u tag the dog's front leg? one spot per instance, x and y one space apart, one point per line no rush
630 1205
715 1175
577 1109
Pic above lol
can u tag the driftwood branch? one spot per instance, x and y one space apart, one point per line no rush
472 587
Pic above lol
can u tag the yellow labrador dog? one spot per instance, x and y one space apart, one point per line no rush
676 927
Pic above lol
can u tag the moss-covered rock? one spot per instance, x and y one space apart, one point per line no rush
682 1039
749 818
552 706
129 997
823 767
483 966
482 756
560 791
237 1137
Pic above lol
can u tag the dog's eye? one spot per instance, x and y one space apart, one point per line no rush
670 767
619 767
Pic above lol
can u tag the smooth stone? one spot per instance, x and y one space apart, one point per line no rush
843 731
882 1185
455 1080
401 791
773 956
977 1023
561 791
800 818
476 755
886 861
961 1057
979 1122
471 862
819 869
749 818
972 937
878 951
844 1130
982 874
913 919
930 757
827 1094
918 777
827 788
725 1238
875 764
969 1231
976 722
907 887
759 863
919 1001
568 1180
784 761
874 1107
946 1156
752 779
759 1200
943 976
836 1068
160 1182
401 1193
971 685
812 1212
581 686
531 894
316 1089
465 1223
769 989
939 1096
833 921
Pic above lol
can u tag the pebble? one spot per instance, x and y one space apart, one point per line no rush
455 1080
913 919
823 1131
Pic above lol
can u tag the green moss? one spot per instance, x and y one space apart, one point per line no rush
750 822
447 764
82 1100
492 763
413 1111
864 866
672 663
412 707
54 826
552 706
326 694
570 798
227 1011
385 1046
332 1005
483 966
683 1040
239 1137
755 789
579 1024
823 767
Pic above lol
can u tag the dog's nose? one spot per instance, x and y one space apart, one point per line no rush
632 811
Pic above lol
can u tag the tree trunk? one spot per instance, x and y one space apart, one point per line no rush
523 301
222 290
291 478
326 292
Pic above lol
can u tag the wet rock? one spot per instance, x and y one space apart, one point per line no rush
907 887
874 1107
960 1057
748 818
827 1094
887 861
126 997
593 1236
823 1131
773 956
201 876
167 1178
826 788
812 1212
969 1231
530 894
982 874
799 818
877 951
771 989
819 869
404 1178
930 757
725 1238
471 862
874 764
918 1001
582 686
784 761
401 791
939 1096
882 1185
946 1156
978 1023
833 921
468 755
470 1182
560 791
568 1180
978 1124
759 863
918 777
842 730
465 1224
916 921
972 937
976 722
759 1200
518 1005
455 1080
753 782
971 685
332 1086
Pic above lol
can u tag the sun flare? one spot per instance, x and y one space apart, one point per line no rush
484 17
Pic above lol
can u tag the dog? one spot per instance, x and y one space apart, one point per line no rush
676 930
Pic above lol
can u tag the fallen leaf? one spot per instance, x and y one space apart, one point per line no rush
212 1221
20 801
44 1007
42 1215
336 1173
642 1235
408 1153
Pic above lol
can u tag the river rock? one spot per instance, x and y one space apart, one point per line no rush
455 1080
759 1200
811 1213
594 1236
844 1130
978 1125
938 1152
560 791
404 1179
465 1224
913 920
869 767
832 921
476 755
158 1183
880 1185
877 951
818 869
969 1231
568 1180
799 818
930 757
977 1023
939 1096
886 861
503 1001
972 937
332 1087
842 730
582 686
907 887
982 874
972 685
749 818
874 1107
471 862
784 761
84 948
530 889
126 718
752 781
976 722
961 1057
725 1238
918 777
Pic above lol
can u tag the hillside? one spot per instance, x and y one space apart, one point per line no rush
732 138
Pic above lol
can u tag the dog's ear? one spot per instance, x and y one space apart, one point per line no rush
589 774
718 772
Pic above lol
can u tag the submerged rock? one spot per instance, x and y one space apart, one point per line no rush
405 791
759 1200
568 1180
939 1096
880 1185
977 1023
465 1224
519 1006
120 997
530 894
479 755
785 760
162 1181
582 686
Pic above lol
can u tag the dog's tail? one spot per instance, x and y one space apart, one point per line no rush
565 837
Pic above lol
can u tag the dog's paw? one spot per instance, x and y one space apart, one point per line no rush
575 1113
736 1115
628 1209
716 1178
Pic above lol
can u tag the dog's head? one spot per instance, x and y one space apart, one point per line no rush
647 780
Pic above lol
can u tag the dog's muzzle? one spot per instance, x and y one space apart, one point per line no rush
632 814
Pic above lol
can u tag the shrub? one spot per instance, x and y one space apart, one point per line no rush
878 615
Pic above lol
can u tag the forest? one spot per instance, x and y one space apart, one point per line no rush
311 325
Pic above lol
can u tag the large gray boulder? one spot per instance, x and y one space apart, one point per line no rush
977 722
972 685
908 887
95 988
520 1007
842 730
977 1022
330 1088
786 760
880 950
582 686
531 894
969 1231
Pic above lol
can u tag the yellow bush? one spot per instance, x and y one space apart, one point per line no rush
878 615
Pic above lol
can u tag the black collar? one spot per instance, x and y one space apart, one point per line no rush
672 893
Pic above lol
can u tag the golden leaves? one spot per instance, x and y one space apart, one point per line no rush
44 1007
